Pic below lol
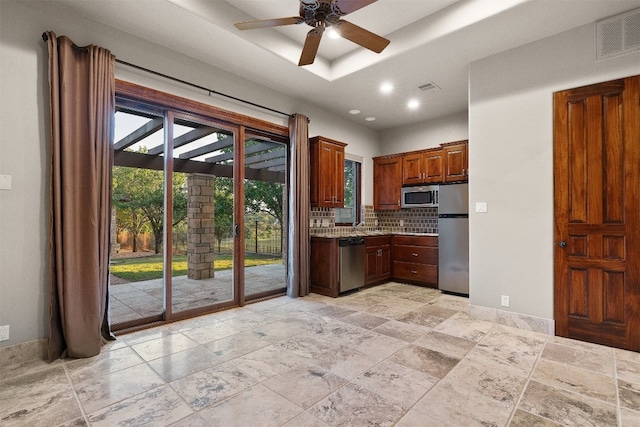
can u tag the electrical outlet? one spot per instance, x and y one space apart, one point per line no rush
401 223
505 300
4 333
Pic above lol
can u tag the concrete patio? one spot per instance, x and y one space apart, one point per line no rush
134 300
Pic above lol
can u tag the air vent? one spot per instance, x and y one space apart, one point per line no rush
618 35
428 86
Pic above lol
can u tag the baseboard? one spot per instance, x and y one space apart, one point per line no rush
23 352
510 318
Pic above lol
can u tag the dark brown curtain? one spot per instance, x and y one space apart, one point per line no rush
82 86
298 252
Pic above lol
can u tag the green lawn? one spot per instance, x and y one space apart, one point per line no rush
150 267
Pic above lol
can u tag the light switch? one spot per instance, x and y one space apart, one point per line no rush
481 207
5 182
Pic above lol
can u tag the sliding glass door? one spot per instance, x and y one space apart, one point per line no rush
198 214
265 190
204 219
136 289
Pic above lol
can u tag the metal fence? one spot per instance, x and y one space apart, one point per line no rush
255 242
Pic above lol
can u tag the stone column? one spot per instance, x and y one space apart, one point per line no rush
115 246
200 221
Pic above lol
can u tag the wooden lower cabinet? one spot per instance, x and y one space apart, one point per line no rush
415 259
411 259
324 271
377 263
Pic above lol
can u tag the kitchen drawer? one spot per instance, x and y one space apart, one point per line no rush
377 240
431 241
416 254
415 272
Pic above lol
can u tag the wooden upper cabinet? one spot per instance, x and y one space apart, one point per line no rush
412 169
387 182
422 167
327 172
455 161
433 167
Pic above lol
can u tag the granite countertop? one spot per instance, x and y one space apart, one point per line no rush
372 233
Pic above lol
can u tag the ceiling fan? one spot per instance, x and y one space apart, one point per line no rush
321 14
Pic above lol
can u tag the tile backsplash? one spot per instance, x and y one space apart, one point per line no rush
417 220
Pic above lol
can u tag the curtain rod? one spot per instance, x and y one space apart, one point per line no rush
45 37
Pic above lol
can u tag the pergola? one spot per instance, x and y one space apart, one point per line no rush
203 151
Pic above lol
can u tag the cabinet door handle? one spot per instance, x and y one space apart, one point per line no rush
326 148
414 254
414 272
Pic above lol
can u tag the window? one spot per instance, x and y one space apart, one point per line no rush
350 214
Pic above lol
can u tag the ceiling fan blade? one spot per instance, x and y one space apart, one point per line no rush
311 46
267 23
360 36
348 6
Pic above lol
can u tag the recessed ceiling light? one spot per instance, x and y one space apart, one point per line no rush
354 111
413 104
332 33
386 87
370 119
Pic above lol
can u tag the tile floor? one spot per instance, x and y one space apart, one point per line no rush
390 355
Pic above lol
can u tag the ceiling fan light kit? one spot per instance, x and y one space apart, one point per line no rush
321 14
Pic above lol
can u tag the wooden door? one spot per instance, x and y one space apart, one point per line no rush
597 213
387 182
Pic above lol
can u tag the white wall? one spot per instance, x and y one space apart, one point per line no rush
24 139
511 162
424 135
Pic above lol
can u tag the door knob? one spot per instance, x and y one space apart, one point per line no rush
562 244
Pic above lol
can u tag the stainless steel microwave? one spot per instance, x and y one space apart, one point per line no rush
425 196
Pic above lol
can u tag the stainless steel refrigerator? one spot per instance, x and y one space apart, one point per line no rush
453 238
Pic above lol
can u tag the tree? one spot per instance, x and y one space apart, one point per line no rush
130 220
142 191
223 208
265 197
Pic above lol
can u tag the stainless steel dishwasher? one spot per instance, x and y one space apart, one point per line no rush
351 263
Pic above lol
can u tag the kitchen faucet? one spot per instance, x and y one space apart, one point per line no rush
355 226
